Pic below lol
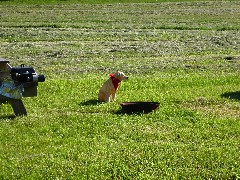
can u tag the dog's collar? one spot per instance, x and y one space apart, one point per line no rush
115 81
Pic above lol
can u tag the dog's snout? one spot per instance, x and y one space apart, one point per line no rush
126 77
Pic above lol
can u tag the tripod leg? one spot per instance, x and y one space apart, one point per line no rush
3 99
18 107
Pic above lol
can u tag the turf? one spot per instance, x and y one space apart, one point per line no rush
92 1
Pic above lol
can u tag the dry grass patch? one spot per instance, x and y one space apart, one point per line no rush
210 106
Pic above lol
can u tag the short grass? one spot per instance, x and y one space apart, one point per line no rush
184 55
90 1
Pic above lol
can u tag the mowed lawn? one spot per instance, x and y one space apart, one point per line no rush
184 55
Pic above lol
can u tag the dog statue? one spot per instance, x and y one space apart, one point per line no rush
110 87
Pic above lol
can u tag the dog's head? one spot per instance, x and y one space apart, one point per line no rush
120 76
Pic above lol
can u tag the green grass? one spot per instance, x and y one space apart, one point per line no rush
91 1
184 55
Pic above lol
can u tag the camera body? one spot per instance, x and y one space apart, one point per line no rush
27 76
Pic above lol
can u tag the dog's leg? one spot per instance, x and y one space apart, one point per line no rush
114 96
108 98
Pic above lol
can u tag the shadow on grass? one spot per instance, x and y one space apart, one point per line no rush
7 117
91 102
137 113
231 95
121 112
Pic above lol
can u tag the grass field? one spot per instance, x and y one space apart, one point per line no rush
92 1
185 55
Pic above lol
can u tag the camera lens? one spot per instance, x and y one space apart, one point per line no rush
41 78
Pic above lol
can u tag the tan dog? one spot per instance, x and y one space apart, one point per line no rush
110 87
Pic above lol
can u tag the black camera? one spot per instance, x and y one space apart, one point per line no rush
26 74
